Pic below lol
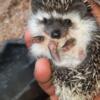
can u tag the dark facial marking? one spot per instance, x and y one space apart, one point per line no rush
56 27
47 21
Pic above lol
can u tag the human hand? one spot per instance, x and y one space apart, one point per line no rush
43 74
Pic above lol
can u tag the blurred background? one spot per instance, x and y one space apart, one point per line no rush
13 18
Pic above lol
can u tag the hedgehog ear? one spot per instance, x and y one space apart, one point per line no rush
36 4
88 6
81 8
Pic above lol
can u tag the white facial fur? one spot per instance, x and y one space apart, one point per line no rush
81 31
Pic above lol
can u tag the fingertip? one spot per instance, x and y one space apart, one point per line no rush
27 38
42 71
95 10
54 97
97 97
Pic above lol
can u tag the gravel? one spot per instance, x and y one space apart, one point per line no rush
13 18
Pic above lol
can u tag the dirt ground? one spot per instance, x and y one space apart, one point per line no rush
13 18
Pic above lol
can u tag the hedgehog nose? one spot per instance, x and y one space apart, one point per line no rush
56 34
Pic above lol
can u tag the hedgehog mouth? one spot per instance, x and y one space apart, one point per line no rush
53 48
54 45
69 44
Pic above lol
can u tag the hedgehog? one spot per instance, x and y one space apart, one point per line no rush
66 32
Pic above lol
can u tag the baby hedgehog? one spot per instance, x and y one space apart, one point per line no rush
66 32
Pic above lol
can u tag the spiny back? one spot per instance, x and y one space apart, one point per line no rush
58 5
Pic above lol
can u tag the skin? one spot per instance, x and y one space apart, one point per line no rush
43 71
95 10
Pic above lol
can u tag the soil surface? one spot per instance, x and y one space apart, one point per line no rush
13 18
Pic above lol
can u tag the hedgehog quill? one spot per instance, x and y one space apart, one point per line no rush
67 33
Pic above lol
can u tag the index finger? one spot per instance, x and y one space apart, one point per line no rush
95 9
43 70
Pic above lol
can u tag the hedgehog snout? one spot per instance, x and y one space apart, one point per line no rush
56 34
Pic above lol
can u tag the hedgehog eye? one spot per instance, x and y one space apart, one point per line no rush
67 22
45 21
38 39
